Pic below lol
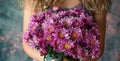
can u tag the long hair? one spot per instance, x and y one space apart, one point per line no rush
99 5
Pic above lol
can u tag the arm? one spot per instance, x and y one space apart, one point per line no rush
33 53
100 20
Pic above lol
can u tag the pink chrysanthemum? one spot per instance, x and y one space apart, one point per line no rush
71 32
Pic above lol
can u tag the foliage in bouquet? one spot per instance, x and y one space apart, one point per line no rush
61 32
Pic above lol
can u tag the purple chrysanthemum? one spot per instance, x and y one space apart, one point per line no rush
71 32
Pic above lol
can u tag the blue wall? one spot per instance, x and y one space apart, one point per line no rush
11 17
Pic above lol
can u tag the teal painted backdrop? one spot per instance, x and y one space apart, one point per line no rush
11 21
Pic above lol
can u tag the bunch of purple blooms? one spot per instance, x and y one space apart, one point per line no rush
70 32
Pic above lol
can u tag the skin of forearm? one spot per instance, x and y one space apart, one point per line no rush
100 20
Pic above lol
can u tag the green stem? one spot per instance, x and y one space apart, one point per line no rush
44 58
80 60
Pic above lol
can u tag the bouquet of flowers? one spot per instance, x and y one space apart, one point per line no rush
61 32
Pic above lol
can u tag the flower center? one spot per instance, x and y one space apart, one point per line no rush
66 23
33 27
67 46
76 23
74 34
49 38
92 42
84 54
50 30
61 35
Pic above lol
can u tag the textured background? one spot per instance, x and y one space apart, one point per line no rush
11 22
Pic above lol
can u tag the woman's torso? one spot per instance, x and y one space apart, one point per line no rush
27 14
